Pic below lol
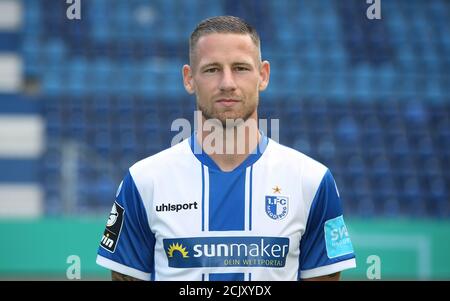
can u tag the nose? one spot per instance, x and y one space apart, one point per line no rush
227 82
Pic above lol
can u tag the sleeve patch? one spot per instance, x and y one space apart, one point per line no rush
113 228
337 239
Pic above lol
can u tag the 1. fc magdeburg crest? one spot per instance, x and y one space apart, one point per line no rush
277 206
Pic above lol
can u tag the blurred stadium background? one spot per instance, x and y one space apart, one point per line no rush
81 100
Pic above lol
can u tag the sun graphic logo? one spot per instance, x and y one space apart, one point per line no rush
177 247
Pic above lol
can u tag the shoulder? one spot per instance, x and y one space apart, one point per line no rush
308 167
163 158
161 163
308 171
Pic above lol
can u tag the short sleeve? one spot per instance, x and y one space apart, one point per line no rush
325 247
127 244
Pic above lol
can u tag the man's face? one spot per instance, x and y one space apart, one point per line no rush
226 75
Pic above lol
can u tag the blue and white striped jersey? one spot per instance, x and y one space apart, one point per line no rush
177 216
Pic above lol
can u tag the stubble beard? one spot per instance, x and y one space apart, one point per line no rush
244 114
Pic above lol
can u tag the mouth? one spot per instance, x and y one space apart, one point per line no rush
227 102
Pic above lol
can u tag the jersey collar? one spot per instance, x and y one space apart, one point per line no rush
206 159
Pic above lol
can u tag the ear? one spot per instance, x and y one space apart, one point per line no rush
188 80
264 74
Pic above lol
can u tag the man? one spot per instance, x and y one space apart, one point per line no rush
241 208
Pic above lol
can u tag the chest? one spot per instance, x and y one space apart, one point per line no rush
253 201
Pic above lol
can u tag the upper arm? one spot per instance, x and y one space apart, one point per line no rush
330 277
325 247
115 276
127 245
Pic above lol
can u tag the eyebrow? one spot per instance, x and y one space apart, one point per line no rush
215 64
209 65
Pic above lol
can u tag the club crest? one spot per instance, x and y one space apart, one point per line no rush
277 206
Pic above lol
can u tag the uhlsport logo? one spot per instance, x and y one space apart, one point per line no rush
176 207
246 251
277 206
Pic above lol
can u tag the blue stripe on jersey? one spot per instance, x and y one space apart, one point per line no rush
226 189
325 206
226 277
226 200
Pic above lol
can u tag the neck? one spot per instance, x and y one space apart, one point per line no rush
229 147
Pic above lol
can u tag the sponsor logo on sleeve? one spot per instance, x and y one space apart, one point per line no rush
113 227
337 240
